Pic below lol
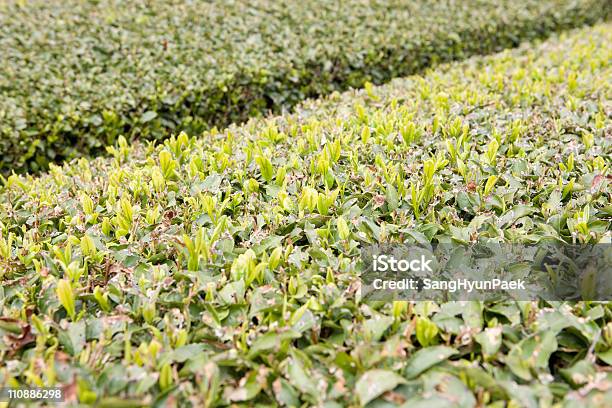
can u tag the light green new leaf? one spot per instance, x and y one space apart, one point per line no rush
66 297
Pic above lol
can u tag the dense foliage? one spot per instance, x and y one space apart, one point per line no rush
225 269
77 74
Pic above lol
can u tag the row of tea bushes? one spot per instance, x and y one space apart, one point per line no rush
75 74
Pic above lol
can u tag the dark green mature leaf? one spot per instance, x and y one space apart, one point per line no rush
374 383
490 340
73 338
271 341
531 354
426 358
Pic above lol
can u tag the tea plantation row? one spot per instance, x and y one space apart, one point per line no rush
225 269
75 75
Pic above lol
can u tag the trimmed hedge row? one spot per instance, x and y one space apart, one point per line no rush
224 269
75 75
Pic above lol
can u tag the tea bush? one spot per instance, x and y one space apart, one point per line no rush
224 269
75 74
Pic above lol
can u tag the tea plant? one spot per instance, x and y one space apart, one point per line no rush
225 270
